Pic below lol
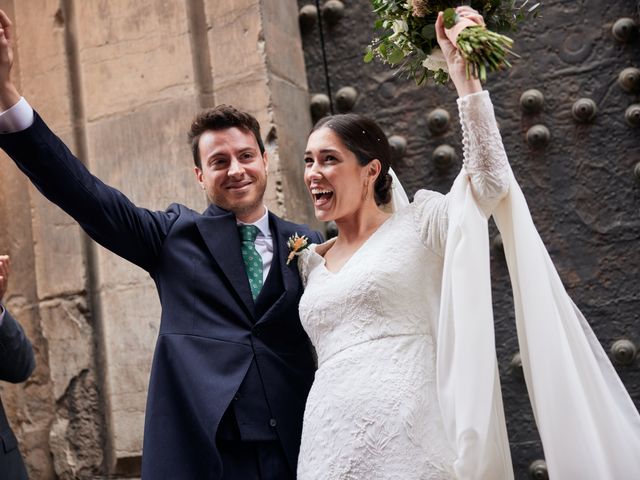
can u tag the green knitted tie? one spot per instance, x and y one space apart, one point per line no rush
251 257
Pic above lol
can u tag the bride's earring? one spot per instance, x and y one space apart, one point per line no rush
365 189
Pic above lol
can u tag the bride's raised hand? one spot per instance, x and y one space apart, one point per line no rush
455 62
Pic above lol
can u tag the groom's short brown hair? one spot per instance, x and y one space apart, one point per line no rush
221 118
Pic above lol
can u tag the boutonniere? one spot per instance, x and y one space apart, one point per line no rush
296 244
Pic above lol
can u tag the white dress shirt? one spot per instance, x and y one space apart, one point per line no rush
18 117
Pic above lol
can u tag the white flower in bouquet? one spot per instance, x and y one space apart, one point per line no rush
435 61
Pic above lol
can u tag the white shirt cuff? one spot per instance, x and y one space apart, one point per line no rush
17 118
1 314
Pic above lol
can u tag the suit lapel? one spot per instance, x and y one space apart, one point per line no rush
220 233
288 273
290 276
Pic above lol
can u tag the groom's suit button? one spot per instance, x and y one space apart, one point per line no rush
256 331
273 422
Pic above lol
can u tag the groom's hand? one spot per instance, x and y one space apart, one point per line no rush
9 95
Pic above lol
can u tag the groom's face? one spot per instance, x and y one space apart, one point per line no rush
233 172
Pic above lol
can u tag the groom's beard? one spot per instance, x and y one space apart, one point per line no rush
241 205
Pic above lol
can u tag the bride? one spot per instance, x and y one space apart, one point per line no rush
407 385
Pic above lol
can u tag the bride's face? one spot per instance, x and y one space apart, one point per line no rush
334 178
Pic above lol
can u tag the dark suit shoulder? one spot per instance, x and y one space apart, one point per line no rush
17 361
177 210
180 209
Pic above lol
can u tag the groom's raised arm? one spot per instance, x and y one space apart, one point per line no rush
104 213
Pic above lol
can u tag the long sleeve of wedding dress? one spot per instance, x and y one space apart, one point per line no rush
485 164
588 424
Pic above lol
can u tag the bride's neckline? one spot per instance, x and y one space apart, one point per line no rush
322 249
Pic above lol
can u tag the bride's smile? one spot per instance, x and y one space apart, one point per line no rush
321 197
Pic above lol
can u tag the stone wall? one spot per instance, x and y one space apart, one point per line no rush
119 82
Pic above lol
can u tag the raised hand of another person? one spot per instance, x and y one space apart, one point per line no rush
9 95
4 275
455 63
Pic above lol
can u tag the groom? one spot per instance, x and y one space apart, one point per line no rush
232 365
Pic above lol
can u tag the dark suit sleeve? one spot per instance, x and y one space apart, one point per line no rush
107 215
16 355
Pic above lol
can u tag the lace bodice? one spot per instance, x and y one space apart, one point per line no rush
372 412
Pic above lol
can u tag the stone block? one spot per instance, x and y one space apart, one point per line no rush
132 54
146 155
130 318
250 94
282 43
59 250
236 40
69 338
44 66
76 443
75 436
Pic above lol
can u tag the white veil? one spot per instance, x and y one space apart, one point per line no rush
588 423
399 198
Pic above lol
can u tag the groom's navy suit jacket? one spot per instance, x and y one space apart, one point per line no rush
212 334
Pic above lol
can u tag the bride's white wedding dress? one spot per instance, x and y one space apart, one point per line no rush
372 412
407 385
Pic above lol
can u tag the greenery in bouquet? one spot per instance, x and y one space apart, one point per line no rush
406 36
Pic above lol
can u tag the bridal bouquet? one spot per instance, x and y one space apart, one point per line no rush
408 36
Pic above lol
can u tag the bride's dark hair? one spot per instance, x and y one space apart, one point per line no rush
366 140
